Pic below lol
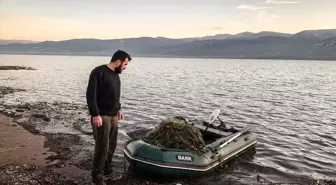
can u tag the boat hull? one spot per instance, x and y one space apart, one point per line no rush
147 158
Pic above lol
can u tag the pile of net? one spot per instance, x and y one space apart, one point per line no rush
175 133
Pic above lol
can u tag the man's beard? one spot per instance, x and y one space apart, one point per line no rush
118 69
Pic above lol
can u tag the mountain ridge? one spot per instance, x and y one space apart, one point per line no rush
225 35
307 44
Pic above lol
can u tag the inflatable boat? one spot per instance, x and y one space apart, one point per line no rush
222 144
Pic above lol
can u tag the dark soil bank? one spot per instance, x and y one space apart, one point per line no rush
29 175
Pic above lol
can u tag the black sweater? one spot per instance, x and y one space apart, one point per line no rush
103 92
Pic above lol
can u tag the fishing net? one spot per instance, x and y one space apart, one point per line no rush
175 133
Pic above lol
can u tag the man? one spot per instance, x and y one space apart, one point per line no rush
103 99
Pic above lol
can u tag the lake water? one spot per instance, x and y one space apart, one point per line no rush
292 104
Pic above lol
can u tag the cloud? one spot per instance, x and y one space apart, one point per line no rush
258 13
281 2
252 7
268 17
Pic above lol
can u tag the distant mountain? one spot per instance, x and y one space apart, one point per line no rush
259 48
4 42
270 34
310 44
245 35
316 34
327 43
213 37
90 46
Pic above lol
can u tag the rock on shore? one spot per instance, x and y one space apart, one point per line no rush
15 68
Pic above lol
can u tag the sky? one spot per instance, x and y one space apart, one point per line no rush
41 20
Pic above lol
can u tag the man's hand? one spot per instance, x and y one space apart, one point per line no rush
97 120
120 115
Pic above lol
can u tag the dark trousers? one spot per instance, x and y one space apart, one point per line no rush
105 144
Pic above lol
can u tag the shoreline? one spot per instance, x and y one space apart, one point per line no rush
70 156
34 161
46 165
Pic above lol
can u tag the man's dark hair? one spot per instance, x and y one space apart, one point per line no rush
120 55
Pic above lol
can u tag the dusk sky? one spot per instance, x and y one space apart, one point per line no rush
41 20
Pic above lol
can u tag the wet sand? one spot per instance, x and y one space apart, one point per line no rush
18 146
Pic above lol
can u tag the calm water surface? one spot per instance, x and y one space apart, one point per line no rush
292 104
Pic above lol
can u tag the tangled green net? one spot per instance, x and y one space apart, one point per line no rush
175 133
